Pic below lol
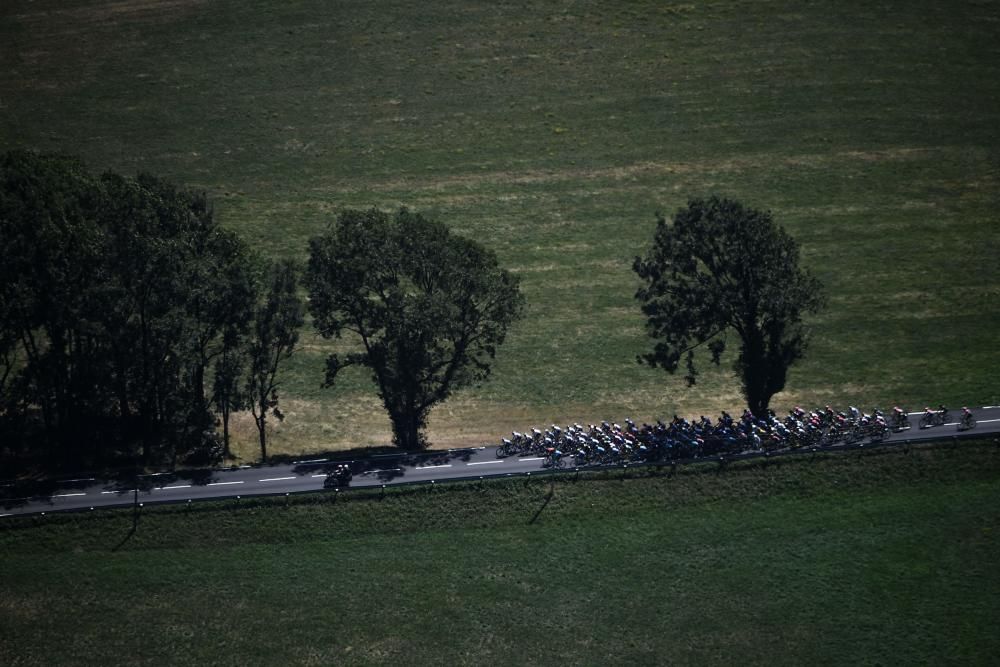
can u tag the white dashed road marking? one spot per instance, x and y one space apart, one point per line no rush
537 458
179 486
68 495
482 463
223 483
275 479
446 465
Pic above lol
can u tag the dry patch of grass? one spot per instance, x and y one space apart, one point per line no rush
101 13
609 177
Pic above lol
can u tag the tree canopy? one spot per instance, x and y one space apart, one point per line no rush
117 295
721 268
427 309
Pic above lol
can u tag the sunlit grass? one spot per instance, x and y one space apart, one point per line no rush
553 133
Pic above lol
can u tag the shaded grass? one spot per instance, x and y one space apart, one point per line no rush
883 558
552 133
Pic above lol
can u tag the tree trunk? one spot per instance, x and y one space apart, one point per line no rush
226 453
753 369
262 433
406 429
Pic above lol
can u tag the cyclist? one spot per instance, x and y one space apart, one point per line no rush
942 414
554 456
967 420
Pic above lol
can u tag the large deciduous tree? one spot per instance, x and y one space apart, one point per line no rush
721 268
427 309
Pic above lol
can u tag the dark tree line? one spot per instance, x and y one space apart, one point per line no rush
127 313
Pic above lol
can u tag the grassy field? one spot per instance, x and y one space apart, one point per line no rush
553 131
884 559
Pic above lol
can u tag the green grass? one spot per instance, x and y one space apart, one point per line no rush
553 132
887 558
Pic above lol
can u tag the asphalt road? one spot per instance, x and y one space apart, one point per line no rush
312 475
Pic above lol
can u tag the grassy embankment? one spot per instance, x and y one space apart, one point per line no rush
889 558
552 133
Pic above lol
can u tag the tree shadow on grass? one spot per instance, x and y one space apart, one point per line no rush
135 524
125 539
548 499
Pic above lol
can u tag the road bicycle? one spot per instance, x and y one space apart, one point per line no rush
613 444
878 432
554 459
934 418
899 421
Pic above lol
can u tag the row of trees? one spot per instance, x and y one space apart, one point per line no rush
130 318
131 323
428 310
